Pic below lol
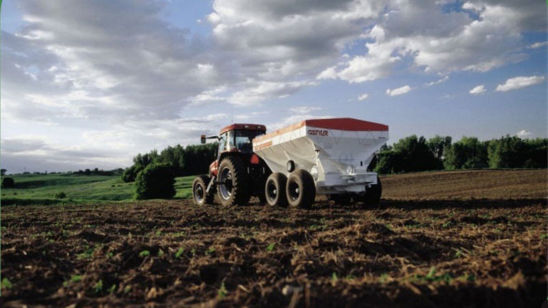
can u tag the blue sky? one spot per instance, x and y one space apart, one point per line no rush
91 84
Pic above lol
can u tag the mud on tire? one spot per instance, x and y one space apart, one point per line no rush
234 183
199 194
300 189
275 190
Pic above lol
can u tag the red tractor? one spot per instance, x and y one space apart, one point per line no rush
237 174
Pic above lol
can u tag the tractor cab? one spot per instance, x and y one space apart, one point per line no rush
238 138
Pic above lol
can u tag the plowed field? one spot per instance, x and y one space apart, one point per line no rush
447 239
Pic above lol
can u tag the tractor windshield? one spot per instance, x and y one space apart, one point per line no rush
243 139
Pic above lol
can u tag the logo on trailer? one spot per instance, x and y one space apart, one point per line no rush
318 132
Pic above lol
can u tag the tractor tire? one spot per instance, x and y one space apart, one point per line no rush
234 183
300 189
372 196
274 190
199 193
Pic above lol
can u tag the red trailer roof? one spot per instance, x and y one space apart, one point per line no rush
348 124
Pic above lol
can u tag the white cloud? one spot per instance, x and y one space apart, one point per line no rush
439 81
398 91
444 42
519 83
363 97
538 45
524 134
477 90
304 109
255 92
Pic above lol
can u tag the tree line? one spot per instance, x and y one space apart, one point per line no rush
410 154
189 160
414 153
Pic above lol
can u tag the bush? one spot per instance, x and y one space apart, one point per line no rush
130 173
155 181
8 183
60 195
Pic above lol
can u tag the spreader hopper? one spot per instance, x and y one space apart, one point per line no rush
336 152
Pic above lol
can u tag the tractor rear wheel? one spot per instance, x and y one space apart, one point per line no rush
275 190
233 182
300 189
199 193
372 196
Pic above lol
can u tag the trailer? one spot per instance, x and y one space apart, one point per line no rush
332 155
292 165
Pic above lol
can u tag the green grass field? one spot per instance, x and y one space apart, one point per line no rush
42 189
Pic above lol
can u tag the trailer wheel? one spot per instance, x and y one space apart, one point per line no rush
233 182
199 193
274 190
300 189
372 196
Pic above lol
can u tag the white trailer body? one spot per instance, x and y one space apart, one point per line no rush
336 152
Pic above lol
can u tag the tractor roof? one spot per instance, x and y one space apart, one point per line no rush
243 126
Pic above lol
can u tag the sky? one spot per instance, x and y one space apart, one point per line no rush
88 84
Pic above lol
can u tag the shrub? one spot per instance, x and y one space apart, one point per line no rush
60 195
155 181
130 173
8 183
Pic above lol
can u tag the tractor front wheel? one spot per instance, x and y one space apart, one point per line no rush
199 191
300 189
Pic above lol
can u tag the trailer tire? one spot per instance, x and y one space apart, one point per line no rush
274 190
300 189
234 190
372 196
199 191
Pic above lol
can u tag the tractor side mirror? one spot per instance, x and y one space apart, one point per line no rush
203 139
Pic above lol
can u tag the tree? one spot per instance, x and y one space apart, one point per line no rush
439 145
467 153
155 181
130 173
3 171
513 152
408 154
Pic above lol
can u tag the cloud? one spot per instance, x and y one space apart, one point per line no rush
27 154
363 97
258 91
304 109
398 91
519 83
524 134
439 81
469 38
477 90
538 45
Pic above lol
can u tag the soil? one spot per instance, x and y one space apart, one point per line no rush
414 250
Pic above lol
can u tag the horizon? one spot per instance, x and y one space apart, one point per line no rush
92 84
